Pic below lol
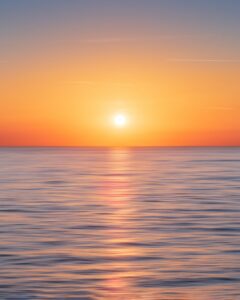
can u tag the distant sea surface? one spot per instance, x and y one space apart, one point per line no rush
144 223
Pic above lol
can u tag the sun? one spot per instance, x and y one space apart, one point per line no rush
120 120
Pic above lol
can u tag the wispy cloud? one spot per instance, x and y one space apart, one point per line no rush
81 82
131 39
106 40
94 83
203 60
223 108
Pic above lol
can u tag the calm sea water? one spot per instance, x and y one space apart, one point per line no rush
120 223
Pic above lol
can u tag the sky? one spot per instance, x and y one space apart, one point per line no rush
171 67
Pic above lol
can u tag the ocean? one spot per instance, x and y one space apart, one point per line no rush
120 223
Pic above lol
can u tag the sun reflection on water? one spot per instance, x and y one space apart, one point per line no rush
118 195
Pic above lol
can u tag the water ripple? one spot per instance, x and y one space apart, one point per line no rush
120 224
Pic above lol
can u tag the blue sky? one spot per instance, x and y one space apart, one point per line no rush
41 23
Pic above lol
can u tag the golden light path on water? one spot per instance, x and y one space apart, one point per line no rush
118 194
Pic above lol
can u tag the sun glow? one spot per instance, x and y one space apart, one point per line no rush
120 120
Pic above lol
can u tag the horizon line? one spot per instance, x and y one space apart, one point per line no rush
122 147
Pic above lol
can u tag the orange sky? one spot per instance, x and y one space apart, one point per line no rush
63 87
